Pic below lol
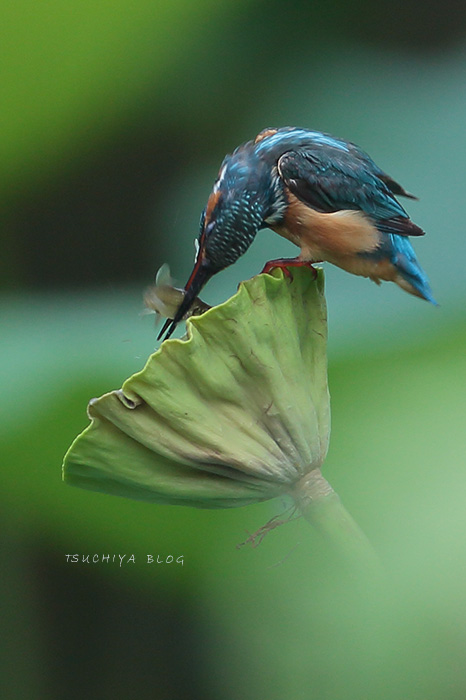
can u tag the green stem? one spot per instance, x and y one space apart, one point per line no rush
321 506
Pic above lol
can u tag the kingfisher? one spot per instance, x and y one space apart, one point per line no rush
324 194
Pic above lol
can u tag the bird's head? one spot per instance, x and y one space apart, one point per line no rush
237 207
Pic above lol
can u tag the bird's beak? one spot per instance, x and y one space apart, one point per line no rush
200 275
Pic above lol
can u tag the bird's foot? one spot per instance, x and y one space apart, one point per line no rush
285 263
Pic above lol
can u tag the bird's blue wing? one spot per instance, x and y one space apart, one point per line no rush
330 179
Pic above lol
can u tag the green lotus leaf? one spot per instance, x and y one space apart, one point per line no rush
236 413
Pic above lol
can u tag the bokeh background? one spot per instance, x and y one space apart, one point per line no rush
115 117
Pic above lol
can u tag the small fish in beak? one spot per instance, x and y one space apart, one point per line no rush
164 299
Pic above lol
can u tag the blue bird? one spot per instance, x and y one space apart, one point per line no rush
324 194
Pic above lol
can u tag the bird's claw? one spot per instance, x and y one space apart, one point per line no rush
285 263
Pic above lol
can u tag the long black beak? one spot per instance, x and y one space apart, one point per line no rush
200 275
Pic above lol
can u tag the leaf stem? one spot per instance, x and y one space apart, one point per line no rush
321 506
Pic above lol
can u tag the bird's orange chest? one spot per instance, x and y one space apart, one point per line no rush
327 236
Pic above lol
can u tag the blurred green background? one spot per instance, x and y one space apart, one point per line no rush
115 117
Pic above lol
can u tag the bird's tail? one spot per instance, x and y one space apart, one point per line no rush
412 276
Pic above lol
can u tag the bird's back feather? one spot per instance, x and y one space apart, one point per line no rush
331 180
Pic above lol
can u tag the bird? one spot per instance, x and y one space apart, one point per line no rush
322 193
